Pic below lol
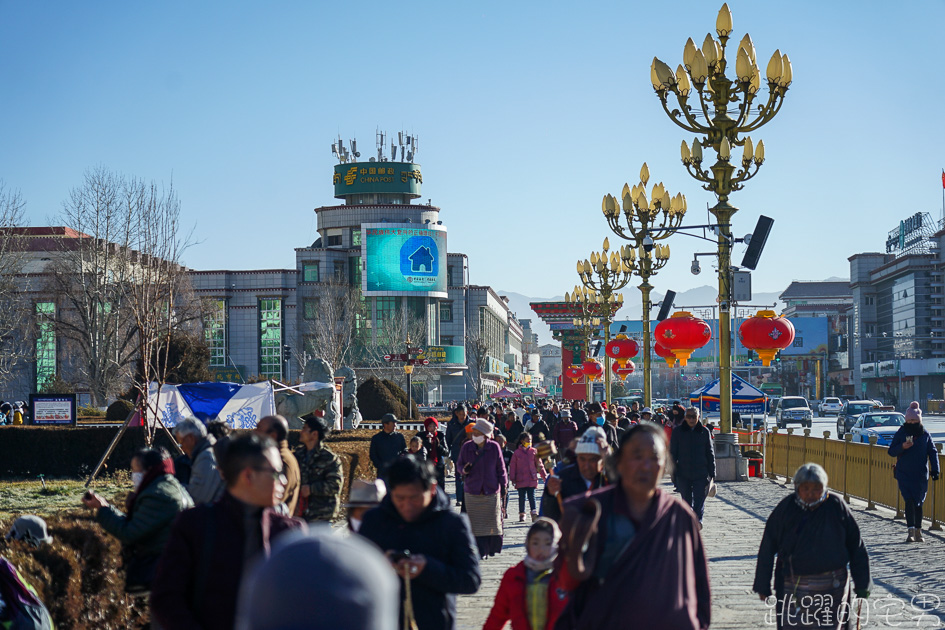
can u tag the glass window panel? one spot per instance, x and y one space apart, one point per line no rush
270 338
214 331
45 344
310 272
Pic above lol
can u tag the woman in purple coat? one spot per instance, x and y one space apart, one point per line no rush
484 479
912 446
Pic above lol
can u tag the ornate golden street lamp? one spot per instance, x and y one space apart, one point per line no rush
646 221
588 321
721 112
605 273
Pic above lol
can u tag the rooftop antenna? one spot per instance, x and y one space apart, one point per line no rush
393 151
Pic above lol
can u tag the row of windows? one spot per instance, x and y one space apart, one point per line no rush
311 271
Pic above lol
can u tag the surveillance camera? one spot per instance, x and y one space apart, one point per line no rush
695 268
647 244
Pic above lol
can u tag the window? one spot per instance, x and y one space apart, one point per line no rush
214 331
355 237
334 240
310 271
354 271
446 311
270 338
449 275
45 344
446 340
339 274
310 308
869 301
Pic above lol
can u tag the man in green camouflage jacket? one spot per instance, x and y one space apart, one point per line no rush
320 492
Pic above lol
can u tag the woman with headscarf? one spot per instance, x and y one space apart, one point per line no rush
437 452
145 526
484 479
913 447
814 536
645 567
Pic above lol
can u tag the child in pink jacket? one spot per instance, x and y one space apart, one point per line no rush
524 472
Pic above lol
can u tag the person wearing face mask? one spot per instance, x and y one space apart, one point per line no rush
815 538
485 478
530 594
595 412
912 446
145 526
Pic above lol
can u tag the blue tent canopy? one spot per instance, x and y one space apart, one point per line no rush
745 397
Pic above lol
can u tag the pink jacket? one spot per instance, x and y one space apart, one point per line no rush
525 468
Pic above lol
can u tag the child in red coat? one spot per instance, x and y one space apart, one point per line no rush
530 595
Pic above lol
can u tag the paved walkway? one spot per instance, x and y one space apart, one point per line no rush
909 587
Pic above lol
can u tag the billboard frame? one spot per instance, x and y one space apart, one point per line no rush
402 226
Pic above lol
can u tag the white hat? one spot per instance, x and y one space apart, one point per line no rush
646 410
588 444
484 426
365 493
30 528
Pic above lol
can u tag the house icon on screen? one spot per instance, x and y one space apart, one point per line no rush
421 261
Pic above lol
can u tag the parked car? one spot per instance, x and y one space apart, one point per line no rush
830 406
793 409
851 412
882 424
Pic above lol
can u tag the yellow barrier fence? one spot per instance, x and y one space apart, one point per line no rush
864 471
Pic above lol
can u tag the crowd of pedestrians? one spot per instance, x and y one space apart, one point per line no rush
607 545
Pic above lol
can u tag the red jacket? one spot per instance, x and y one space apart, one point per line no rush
510 601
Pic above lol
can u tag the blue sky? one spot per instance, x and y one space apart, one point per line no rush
527 113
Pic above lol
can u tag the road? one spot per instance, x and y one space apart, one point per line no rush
934 424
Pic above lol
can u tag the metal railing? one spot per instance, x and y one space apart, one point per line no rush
864 471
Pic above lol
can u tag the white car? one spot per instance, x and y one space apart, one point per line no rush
830 406
882 424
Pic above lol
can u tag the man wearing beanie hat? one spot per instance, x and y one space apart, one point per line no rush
917 459
579 478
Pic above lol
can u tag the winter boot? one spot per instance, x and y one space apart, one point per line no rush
911 536
534 516
521 517
918 535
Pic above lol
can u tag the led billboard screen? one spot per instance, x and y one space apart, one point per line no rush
403 259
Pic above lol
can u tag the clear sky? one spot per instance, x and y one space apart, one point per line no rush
527 113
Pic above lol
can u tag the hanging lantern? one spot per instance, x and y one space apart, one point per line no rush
593 370
574 372
665 353
682 334
766 334
623 371
621 348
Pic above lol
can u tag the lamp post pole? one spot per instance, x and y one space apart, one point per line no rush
605 273
703 76
588 321
647 221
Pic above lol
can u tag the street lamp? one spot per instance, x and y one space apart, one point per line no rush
588 321
605 273
703 75
647 221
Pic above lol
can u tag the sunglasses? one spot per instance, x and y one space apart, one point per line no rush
275 474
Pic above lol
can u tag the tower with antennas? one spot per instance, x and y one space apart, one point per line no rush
390 176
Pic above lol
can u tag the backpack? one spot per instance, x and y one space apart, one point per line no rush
22 609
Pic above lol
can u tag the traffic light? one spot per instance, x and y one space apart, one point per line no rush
751 357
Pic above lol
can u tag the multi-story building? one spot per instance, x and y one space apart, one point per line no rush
896 322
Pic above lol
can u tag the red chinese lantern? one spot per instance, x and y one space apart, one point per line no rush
593 370
621 348
574 372
622 372
766 334
682 334
665 353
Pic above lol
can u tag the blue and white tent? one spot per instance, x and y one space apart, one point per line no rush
745 397
240 406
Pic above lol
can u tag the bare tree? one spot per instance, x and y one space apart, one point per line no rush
391 336
15 308
332 324
477 350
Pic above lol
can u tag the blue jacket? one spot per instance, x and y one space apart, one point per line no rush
444 537
912 467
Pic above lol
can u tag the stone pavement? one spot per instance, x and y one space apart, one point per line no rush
909 589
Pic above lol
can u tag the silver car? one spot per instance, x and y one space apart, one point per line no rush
793 409
830 406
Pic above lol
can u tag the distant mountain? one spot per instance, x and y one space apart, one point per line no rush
633 308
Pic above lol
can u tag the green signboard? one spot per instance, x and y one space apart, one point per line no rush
444 354
403 259
527 390
399 178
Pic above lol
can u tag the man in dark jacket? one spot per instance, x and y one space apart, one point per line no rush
585 475
456 425
277 428
578 415
425 540
210 546
693 457
387 444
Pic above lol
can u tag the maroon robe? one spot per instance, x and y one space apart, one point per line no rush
661 580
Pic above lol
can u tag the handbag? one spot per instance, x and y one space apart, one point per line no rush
713 489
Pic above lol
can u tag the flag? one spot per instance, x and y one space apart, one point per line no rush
943 179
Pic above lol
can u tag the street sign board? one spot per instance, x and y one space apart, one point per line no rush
395 357
414 350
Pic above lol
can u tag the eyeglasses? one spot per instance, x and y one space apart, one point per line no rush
693 417
275 474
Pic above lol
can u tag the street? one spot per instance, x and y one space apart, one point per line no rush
934 424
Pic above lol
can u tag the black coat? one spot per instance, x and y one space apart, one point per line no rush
454 428
385 448
540 426
691 452
572 484
445 539
512 434
579 417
